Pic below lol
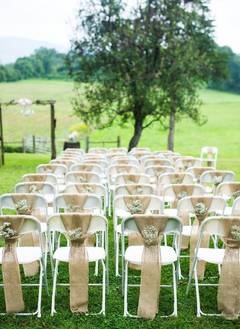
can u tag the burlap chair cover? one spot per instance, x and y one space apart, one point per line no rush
131 202
124 169
131 178
229 283
134 188
207 201
35 187
150 228
29 239
78 260
186 163
232 190
76 203
37 178
176 178
48 169
82 177
10 269
217 177
181 191
198 171
85 188
86 167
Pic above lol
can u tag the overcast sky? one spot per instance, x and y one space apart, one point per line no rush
53 20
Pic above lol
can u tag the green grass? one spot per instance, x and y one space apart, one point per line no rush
221 130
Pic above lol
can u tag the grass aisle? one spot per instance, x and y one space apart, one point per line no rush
17 165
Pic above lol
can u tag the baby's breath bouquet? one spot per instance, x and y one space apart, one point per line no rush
135 207
150 235
76 234
200 210
6 232
217 180
22 207
235 232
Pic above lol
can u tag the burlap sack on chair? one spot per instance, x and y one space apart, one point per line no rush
77 226
37 178
10 268
134 188
150 228
181 191
76 203
229 282
83 177
131 178
49 169
201 206
25 205
35 187
85 188
198 171
136 205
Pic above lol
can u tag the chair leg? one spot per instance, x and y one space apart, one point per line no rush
96 263
117 255
197 291
104 289
174 290
40 290
54 288
126 290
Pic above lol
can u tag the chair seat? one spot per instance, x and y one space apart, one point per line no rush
93 253
170 212
25 255
133 254
211 255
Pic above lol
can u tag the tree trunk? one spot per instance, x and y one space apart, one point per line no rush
138 127
171 131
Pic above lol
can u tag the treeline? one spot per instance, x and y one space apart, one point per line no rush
232 81
44 63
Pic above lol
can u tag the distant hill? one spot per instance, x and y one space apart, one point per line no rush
12 48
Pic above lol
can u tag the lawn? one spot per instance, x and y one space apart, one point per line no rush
221 130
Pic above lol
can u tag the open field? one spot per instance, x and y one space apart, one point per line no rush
221 130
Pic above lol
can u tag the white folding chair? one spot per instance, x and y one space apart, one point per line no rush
59 170
26 255
156 171
212 226
93 188
209 156
66 161
121 211
198 171
157 162
47 190
169 195
173 178
127 189
185 162
212 178
98 224
44 178
114 170
169 256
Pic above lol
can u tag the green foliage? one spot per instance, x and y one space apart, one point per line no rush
44 63
140 66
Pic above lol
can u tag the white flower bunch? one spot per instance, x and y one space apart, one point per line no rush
89 188
235 232
182 194
150 235
236 194
76 234
217 180
200 209
135 207
22 207
82 179
6 231
32 188
72 208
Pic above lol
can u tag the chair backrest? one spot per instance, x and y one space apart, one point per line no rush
57 169
215 177
227 190
47 190
114 170
236 207
183 163
122 179
80 176
122 160
68 162
30 225
155 204
90 167
97 150
157 162
140 149
93 188
185 205
44 178
127 189
92 202
100 162
39 205
169 194
74 150
98 224
198 171
156 171
209 155
117 150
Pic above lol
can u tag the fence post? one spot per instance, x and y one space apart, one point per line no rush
118 141
34 143
87 144
1 137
